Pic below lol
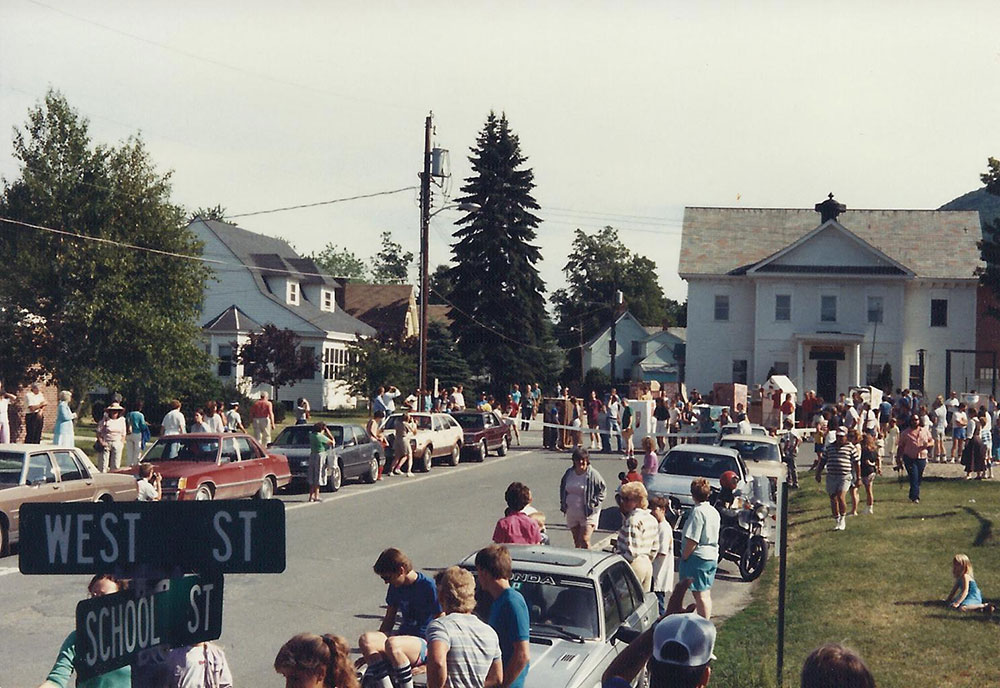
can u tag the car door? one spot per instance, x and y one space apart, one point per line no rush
252 465
349 452
75 482
633 609
40 483
365 449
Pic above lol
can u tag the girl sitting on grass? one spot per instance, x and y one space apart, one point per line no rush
966 594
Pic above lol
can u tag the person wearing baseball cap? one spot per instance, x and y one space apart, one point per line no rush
677 650
842 464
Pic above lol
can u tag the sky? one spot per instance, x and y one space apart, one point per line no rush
627 111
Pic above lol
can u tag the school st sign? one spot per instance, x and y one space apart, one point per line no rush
155 543
236 536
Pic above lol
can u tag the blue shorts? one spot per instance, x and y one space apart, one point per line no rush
700 571
958 434
422 658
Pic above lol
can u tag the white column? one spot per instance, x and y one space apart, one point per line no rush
799 365
857 364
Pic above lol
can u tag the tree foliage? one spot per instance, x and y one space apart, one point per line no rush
380 362
391 262
499 317
216 212
86 312
989 245
440 285
340 262
274 356
444 361
991 177
598 266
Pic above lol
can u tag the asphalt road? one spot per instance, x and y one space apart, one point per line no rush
328 586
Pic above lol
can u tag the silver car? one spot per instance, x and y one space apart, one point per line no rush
584 608
685 462
354 455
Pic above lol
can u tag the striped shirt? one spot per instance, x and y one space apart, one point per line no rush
638 536
472 645
840 459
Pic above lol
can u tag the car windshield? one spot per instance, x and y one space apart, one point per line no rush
183 449
10 467
470 421
754 451
556 602
298 436
697 464
423 422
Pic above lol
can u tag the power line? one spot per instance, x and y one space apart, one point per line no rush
319 203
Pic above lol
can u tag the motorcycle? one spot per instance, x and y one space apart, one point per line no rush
741 538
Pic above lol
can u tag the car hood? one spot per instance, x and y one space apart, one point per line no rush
179 469
563 663
290 452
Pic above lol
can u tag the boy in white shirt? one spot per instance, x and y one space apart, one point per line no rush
663 562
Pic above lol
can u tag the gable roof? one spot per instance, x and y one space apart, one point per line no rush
265 254
625 314
383 306
232 320
930 243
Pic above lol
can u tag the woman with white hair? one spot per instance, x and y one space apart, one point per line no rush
5 399
62 434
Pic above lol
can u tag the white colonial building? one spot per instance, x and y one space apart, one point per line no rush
828 297
260 280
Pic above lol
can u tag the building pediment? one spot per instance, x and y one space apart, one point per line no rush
830 249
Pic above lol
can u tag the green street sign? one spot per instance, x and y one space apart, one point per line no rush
112 630
227 536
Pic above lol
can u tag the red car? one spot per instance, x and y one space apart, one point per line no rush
216 466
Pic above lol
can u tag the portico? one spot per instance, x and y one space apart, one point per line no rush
827 362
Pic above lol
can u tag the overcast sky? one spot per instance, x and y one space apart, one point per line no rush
627 111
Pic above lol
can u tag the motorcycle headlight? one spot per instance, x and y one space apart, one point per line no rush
760 511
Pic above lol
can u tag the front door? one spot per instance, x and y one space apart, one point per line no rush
826 380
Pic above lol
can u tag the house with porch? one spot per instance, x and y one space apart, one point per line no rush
828 296
259 280
642 354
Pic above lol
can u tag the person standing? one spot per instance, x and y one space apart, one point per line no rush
581 492
527 408
374 429
939 418
402 448
213 418
462 651
234 422
5 399
841 462
870 467
136 429
517 527
262 419
914 443
173 422
111 432
787 411
302 411
62 433
593 409
789 450
959 421
320 442
663 562
638 537
615 418
700 553
35 404
198 423
508 613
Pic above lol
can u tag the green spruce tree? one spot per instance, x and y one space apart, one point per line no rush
498 314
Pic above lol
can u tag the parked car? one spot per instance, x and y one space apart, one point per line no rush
734 428
354 455
482 431
438 435
753 448
216 466
584 607
35 473
685 462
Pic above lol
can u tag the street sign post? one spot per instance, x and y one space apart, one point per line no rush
235 536
112 630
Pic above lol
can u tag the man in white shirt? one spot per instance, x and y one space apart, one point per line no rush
149 484
234 422
388 400
174 422
34 404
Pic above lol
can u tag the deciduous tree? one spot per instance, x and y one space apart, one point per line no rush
391 262
274 357
380 362
340 262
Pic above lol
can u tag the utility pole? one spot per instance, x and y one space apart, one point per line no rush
613 345
425 223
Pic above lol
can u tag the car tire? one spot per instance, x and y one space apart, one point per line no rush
204 494
483 450
336 477
456 454
427 459
754 558
4 540
504 446
266 490
372 474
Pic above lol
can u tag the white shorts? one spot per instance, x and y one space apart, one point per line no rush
576 519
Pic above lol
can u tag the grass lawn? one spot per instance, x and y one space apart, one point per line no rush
876 587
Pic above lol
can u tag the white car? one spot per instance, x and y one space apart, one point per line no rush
438 435
685 462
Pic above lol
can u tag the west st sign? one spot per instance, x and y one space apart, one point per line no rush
233 536
151 540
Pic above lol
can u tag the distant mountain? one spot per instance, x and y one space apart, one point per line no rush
987 204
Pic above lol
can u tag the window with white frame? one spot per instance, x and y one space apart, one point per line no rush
875 309
292 293
225 360
783 307
327 300
828 308
334 362
939 312
722 307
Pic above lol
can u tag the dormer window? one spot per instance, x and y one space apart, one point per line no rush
327 300
292 293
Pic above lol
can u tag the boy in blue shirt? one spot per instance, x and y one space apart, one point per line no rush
413 596
508 614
